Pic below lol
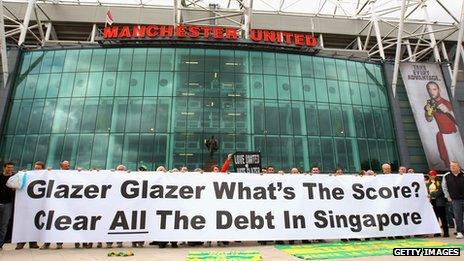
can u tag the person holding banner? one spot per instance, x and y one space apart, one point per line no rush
119 168
315 170
6 200
438 201
39 165
453 188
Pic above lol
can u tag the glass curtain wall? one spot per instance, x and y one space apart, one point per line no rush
98 108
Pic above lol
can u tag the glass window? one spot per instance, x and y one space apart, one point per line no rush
125 59
359 121
24 113
119 115
341 155
115 149
122 84
54 85
75 115
136 83
197 60
334 93
270 87
163 115
325 126
337 121
294 68
66 85
54 151
36 116
321 91
98 60
71 60
105 110
345 94
272 122
296 89
330 68
108 84
212 60
151 84
309 89
99 151
257 86
111 60
269 64
227 61
307 66
283 87
153 59
258 113
165 84
85 57
148 115
80 84
42 85
342 73
285 117
318 65
48 114
352 73
312 124
281 63
58 61
139 59
183 59
31 85
89 115
70 148
256 62
349 121
130 149
47 62
167 60
93 84
146 151
369 122
365 94
41 150
241 59
327 152
84 152
134 111
298 118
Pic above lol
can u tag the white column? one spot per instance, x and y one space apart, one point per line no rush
458 51
433 41
398 48
25 25
3 47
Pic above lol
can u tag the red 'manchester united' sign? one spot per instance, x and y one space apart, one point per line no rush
206 32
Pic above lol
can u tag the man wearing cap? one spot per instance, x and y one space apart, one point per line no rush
438 200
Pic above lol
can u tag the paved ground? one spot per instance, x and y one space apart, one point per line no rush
154 253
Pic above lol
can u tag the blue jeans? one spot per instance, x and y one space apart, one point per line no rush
458 209
6 211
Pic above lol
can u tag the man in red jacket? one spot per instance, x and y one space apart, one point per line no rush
449 142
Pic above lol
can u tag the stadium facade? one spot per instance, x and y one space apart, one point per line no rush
143 92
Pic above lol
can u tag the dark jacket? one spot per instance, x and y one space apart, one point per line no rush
437 198
453 186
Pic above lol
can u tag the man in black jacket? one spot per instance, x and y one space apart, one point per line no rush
453 187
6 200
438 200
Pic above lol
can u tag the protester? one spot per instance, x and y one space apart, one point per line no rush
143 168
184 169
294 171
270 170
453 188
386 168
370 172
161 169
411 170
402 170
315 170
120 167
39 165
362 173
6 201
438 200
64 165
338 172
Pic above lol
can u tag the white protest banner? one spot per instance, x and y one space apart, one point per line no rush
433 113
91 206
